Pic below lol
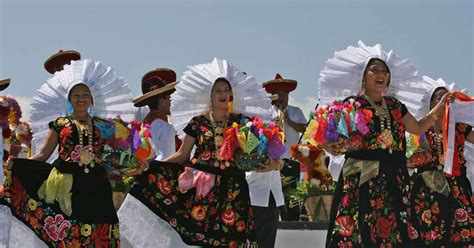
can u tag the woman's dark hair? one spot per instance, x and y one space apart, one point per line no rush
373 60
436 91
223 79
73 87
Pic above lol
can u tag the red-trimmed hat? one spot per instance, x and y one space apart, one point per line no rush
154 83
279 84
4 83
57 61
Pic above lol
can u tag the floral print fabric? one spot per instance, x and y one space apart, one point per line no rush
374 214
223 217
442 220
93 222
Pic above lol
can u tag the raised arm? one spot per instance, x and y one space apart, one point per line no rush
419 127
48 147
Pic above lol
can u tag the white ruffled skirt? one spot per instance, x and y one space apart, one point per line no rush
15 234
140 227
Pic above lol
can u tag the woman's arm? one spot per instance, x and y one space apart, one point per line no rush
184 152
419 127
48 147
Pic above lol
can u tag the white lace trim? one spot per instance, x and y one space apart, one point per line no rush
140 227
15 234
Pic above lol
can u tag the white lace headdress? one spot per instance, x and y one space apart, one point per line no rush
193 92
342 75
110 94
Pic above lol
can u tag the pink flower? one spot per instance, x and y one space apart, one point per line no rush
461 215
56 228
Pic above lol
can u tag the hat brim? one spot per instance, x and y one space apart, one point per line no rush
4 83
61 58
143 99
273 86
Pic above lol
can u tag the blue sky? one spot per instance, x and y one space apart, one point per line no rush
294 38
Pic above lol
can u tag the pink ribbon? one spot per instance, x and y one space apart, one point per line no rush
202 181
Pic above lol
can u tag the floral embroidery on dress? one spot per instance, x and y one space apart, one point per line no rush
374 214
222 217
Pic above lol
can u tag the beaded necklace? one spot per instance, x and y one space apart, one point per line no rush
438 137
217 131
385 138
86 154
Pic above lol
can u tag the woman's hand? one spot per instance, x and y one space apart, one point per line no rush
335 148
142 166
273 165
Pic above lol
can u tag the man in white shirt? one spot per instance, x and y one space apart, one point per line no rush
293 122
4 83
157 87
266 193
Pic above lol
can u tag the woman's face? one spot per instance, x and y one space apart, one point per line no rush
438 94
80 98
376 77
220 95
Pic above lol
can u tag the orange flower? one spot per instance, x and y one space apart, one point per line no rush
198 213
465 234
347 225
384 227
412 233
240 226
228 217
164 186
426 216
435 209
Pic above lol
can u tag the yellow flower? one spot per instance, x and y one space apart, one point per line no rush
63 122
32 204
116 231
86 230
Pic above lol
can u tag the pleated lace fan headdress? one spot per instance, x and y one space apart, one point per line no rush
193 93
111 96
342 75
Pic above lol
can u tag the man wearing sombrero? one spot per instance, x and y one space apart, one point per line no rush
293 122
157 87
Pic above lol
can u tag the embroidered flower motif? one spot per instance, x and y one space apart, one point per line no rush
75 231
164 186
39 213
460 215
32 204
86 230
62 122
347 225
199 236
116 231
240 226
228 217
383 226
56 227
426 216
206 155
412 233
198 213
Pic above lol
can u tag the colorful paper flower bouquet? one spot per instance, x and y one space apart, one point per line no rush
251 143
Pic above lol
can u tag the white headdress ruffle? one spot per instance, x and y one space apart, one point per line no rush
110 93
193 92
342 75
